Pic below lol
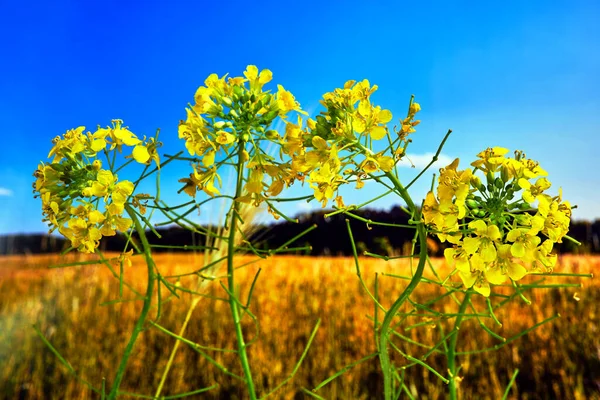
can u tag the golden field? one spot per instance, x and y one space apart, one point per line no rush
74 308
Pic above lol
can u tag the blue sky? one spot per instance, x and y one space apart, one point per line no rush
522 75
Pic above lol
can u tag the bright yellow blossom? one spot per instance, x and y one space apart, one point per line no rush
486 236
524 243
491 159
531 193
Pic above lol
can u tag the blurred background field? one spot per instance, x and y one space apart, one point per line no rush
558 360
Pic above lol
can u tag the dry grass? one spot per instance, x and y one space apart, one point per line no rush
559 360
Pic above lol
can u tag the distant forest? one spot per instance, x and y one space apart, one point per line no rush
330 237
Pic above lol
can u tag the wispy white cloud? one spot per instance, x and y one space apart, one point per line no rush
5 192
420 161
304 206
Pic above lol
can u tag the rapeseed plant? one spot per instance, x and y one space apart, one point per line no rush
495 231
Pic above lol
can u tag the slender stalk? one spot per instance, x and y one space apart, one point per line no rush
451 353
384 330
233 304
139 325
163 378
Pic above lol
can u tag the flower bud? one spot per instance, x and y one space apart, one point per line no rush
271 115
237 91
498 182
233 113
265 100
475 181
524 206
245 155
272 134
504 174
219 124
472 204
227 101
490 177
523 219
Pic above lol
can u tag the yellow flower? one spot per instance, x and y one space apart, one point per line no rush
144 153
457 256
257 81
491 159
414 108
201 179
123 135
556 224
121 192
113 223
51 209
531 193
483 242
102 186
543 260
124 260
367 119
46 177
504 267
72 143
375 162
293 141
524 243
441 214
83 236
224 137
195 132
286 102
326 179
475 276
140 154
203 100
455 183
524 168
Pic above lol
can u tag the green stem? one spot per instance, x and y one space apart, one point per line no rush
233 304
384 330
451 353
139 325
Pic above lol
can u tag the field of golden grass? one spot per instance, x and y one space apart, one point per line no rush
73 307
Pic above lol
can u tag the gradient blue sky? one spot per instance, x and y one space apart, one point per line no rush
522 75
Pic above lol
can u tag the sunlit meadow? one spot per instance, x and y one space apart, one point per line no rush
74 308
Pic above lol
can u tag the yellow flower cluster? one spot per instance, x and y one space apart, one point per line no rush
73 184
75 145
495 238
231 112
348 120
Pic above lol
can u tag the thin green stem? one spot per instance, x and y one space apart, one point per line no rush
233 302
139 325
451 353
384 330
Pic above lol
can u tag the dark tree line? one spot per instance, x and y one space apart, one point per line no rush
330 237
